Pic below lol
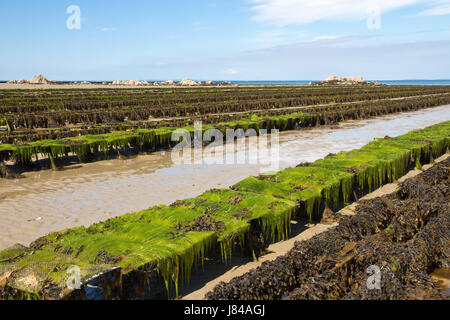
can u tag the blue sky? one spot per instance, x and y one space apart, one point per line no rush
226 40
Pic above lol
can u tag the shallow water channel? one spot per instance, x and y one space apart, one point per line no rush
49 201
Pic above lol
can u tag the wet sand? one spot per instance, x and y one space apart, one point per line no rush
49 201
442 277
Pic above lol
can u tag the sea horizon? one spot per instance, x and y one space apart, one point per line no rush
289 82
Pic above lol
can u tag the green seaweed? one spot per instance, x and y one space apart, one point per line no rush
304 184
87 145
155 240
4 121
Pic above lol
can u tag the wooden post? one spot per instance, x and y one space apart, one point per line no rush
52 161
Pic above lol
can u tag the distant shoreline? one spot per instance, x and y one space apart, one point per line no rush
100 84
388 82
94 85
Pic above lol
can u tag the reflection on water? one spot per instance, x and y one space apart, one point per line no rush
50 201
442 277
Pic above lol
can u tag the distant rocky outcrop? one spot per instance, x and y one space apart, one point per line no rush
20 81
188 82
39 79
133 83
346 81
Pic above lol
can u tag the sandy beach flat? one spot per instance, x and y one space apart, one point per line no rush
11 86
27 86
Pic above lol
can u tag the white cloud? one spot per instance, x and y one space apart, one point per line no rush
438 8
289 12
325 38
315 60
272 37
197 26
277 36
232 71
108 29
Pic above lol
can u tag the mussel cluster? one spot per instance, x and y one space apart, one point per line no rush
386 251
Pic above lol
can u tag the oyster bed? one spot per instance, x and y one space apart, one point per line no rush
166 242
404 234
